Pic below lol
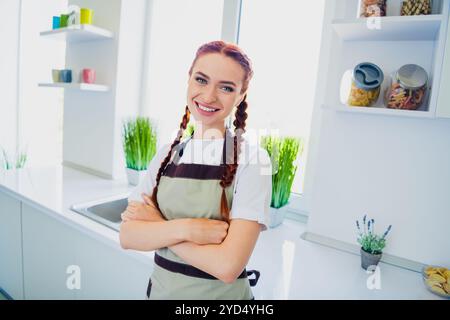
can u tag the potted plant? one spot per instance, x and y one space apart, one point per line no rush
139 144
283 152
8 162
372 245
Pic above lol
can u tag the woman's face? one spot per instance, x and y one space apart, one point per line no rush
215 85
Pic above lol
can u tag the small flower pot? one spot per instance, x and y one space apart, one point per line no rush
276 216
135 176
369 259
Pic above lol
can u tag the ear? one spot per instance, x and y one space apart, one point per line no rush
241 98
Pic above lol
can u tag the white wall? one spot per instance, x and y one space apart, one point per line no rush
9 55
92 120
397 170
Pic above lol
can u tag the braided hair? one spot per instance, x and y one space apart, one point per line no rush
234 52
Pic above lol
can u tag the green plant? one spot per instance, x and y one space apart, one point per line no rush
139 142
369 241
21 159
283 152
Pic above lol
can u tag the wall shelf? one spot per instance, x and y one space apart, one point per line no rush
397 28
77 86
381 111
78 33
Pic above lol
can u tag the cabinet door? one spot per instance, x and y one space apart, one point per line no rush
11 279
108 272
47 255
443 105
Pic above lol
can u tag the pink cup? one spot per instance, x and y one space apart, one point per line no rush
88 75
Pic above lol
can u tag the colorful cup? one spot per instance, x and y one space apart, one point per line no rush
56 75
66 75
88 75
63 20
56 22
86 15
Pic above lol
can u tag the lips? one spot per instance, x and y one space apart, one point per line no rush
206 108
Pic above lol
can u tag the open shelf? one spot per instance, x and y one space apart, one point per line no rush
381 111
78 33
397 28
76 86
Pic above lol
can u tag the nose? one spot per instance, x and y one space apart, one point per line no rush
209 94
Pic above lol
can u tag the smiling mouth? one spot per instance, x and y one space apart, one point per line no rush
206 109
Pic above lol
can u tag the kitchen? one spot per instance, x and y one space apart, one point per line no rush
365 152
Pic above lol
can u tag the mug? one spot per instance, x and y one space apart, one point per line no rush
66 75
56 75
74 15
56 22
86 16
88 75
63 20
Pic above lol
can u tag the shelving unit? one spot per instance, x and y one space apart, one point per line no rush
389 28
389 42
76 86
78 33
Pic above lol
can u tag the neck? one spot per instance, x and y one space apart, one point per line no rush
209 132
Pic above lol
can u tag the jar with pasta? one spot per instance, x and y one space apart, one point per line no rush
372 8
408 88
416 7
365 85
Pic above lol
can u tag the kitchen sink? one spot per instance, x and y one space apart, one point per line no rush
106 211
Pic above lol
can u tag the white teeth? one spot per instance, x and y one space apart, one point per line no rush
205 108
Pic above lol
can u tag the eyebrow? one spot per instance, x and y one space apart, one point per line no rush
224 82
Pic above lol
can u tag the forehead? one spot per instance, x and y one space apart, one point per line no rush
220 68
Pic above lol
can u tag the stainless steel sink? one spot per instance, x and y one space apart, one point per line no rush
105 211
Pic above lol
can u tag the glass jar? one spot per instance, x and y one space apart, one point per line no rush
365 85
408 88
372 8
416 7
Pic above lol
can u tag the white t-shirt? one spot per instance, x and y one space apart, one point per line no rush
253 179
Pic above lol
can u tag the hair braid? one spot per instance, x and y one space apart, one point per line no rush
230 169
164 163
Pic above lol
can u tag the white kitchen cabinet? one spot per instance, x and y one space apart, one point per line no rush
47 253
52 250
109 273
443 108
10 247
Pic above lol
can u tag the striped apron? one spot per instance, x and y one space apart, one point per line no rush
193 191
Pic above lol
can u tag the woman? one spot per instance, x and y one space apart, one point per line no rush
204 214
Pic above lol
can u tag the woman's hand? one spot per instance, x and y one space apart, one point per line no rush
146 211
207 231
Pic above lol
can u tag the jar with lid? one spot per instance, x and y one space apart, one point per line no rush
372 8
416 7
361 87
408 88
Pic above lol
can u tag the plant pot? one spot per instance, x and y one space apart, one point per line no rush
369 259
135 176
276 216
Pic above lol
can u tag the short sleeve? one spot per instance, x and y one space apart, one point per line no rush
253 190
147 184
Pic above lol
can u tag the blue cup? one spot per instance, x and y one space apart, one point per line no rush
66 75
56 22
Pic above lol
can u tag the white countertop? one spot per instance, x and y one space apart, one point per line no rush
291 268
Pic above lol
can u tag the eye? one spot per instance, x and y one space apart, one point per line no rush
230 89
198 79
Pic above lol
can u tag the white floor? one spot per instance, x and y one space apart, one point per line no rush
292 268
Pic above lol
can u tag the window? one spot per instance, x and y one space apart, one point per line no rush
177 29
282 38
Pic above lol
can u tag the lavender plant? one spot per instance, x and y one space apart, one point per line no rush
369 241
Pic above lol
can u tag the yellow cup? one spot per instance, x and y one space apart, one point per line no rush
86 16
